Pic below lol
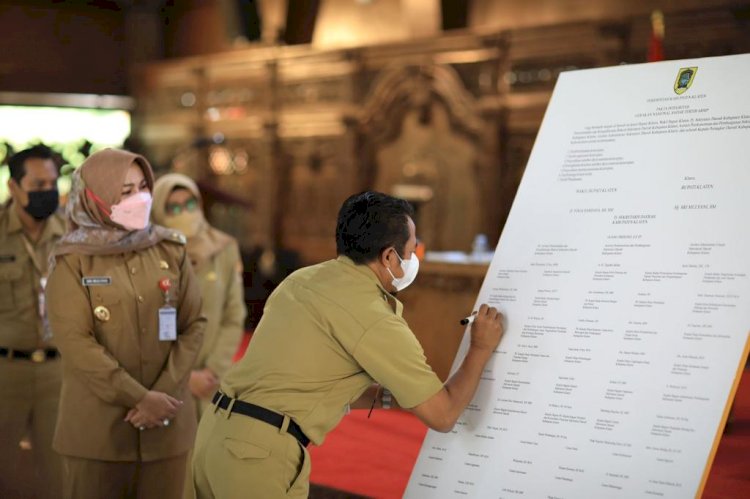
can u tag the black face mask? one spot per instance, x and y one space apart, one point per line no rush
42 204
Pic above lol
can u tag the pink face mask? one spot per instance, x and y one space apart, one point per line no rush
133 212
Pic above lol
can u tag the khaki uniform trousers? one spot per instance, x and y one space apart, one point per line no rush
29 399
201 406
91 479
239 456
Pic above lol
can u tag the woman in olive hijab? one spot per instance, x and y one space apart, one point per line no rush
124 308
217 264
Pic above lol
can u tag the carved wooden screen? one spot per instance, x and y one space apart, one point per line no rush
422 136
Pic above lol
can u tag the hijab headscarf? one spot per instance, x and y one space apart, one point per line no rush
208 241
97 185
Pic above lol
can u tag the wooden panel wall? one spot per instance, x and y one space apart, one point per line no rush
448 122
48 48
514 14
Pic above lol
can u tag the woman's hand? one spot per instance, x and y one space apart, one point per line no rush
138 420
153 410
203 383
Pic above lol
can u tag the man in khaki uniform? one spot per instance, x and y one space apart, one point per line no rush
29 363
328 332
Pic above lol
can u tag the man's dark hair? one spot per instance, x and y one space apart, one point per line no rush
16 162
369 222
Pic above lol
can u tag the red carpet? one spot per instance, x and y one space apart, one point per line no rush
370 457
730 474
374 457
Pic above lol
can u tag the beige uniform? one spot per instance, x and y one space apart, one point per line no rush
328 331
220 281
29 366
104 312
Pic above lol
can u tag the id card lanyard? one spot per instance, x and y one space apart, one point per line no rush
45 332
167 314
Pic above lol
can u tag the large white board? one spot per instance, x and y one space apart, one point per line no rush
624 274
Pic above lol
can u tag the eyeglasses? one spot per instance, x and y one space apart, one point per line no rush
175 209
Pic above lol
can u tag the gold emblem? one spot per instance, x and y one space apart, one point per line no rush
685 77
102 313
163 265
211 276
38 356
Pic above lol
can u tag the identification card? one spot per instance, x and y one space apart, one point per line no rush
167 324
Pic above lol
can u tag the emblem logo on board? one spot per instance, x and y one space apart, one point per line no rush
685 77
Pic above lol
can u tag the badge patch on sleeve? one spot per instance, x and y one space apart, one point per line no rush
97 281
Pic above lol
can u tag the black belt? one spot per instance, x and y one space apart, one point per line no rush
37 356
222 401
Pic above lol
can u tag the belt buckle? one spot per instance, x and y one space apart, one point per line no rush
38 356
217 402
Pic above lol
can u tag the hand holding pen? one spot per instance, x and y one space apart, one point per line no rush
468 320
486 327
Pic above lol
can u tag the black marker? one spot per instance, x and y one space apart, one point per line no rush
468 320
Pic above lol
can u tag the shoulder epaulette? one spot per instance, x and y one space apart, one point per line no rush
177 237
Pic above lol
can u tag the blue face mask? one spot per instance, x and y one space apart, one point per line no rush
410 268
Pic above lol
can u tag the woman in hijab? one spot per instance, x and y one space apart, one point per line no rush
124 308
216 260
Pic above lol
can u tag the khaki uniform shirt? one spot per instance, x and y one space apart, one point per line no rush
107 330
220 281
327 332
20 324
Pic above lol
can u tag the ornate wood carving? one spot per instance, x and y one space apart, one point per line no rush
448 122
423 131
402 89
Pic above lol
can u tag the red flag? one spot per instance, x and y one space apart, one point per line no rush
656 43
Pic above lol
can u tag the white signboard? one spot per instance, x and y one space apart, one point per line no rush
624 274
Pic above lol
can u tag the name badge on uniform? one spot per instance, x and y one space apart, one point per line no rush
7 258
96 281
167 324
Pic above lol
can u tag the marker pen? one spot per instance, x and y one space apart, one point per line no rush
468 320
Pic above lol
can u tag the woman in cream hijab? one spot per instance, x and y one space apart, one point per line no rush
124 309
216 259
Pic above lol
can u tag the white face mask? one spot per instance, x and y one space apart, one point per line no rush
133 212
410 268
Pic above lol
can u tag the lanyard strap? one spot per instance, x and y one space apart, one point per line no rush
44 331
32 254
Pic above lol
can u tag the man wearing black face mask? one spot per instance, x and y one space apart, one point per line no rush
30 371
